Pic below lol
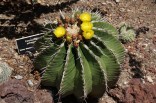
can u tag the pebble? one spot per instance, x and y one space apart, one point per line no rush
149 79
125 82
117 1
30 83
18 77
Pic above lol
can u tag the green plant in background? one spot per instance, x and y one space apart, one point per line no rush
5 72
81 56
126 33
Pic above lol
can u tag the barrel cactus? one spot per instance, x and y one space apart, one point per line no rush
79 54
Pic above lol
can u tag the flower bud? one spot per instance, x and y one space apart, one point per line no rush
67 19
68 38
76 44
74 36
72 20
80 37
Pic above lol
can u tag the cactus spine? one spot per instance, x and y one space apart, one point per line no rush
78 64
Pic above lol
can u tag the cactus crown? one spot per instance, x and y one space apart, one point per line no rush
82 61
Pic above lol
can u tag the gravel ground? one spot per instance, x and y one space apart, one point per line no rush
137 82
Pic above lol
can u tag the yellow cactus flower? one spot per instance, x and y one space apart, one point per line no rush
59 31
85 17
88 34
85 26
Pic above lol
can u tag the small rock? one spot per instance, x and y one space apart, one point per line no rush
18 77
125 82
149 79
5 71
21 66
106 99
30 83
117 1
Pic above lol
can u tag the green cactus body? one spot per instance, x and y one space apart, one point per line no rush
89 67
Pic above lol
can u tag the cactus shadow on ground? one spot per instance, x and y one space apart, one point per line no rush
18 18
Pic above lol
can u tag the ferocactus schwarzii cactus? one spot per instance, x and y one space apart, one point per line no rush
5 72
80 62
